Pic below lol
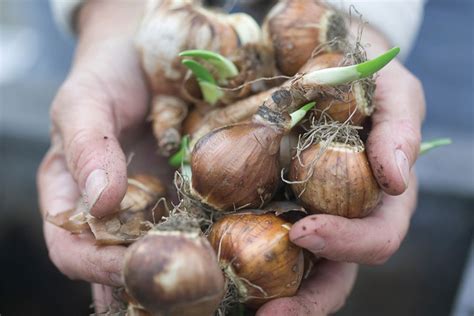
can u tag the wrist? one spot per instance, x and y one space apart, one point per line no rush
103 19
106 27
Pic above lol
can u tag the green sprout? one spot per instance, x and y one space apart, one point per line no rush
208 85
206 81
181 157
432 144
225 68
343 75
299 114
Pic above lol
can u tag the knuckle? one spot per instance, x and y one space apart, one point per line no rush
411 138
385 250
65 96
97 270
79 152
411 130
91 267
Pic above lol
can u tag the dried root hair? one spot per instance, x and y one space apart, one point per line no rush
190 205
326 132
179 220
354 53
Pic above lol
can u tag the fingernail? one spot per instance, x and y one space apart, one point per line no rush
403 166
95 184
313 243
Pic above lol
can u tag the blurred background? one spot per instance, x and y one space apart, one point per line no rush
432 274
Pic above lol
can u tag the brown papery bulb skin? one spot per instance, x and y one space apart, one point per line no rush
174 273
143 192
341 181
139 210
237 112
352 102
237 166
193 121
297 27
172 26
257 256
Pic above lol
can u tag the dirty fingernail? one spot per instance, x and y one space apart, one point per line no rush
95 184
313 243
403 166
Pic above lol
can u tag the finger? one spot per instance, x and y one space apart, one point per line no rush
79 258
94 157
370 240
394 141
57 189
104 300
75 255
323 293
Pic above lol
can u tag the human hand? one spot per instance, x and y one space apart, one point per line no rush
97 114
392 148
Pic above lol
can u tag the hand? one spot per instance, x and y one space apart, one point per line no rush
98 111
392 148
323 293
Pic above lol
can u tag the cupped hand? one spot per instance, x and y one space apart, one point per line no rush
392 148
98 111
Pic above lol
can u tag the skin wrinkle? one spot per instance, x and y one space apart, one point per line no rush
115 99
111 105
293 304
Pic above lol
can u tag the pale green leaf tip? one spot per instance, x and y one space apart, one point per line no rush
199 70
370 67
299 114
225 67
210 92
178 158
209 89
432 144
308 106
202 53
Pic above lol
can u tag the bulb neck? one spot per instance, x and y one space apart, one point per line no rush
272 118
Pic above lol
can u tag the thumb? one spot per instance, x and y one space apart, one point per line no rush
88 134
394 142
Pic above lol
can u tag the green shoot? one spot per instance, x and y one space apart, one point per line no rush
209 89
343 75
432 144
370 67
225 68
181 157
299 114
210 92
199 71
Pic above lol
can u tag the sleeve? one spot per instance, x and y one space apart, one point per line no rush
63 14
398 20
